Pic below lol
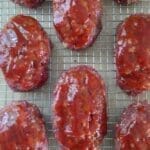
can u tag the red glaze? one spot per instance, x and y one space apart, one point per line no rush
22 127
133 131
126 2
133 54
80 121
77 22
24 53
29 3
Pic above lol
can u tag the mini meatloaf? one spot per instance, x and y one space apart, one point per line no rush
80 118
126 2
29 3
25 51
22 127
133 54
77 22
133 130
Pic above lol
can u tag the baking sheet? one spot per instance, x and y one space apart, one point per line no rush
100 56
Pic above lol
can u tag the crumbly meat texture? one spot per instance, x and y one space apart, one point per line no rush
25 50
29 3
126 2
22 127
133 54
80 117
77 22
133 130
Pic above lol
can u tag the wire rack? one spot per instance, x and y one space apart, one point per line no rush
100 56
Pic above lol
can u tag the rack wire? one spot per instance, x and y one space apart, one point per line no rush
100 56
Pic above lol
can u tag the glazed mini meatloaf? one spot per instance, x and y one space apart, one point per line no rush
22 127
25 50
133 130
29 3
80 118
133 54
77 22
126 2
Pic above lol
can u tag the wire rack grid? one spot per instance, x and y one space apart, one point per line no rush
100 56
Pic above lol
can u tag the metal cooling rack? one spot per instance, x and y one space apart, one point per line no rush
100 56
